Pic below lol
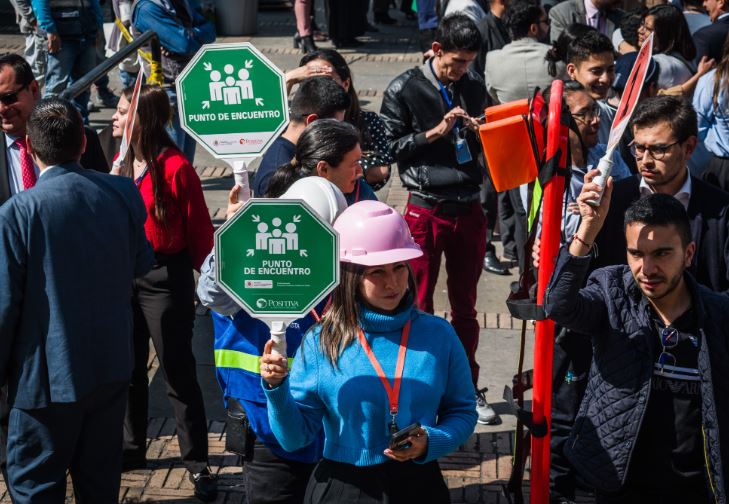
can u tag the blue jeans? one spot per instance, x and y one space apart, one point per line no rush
184 141
73 61
427 16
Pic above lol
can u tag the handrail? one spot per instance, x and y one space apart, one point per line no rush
109 63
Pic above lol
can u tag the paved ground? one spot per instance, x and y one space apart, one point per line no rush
477 470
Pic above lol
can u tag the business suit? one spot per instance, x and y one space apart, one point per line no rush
709 40
513 71
573 11
93 159
71 247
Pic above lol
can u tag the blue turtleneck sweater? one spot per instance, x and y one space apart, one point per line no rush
351 401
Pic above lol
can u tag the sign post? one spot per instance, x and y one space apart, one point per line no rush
277 259
628 101
232 100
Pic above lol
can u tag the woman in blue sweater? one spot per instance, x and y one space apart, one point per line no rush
374 365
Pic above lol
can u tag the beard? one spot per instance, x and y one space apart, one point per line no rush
671 285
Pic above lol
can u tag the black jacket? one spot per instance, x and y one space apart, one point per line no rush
708 213
494 35
709 40
411 106
612 309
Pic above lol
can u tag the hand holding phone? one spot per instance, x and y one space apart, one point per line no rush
408 444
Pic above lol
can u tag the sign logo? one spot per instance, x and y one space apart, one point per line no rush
261 303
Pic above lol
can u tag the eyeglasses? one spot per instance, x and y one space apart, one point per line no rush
588 115
10 98
545 21
669 339
657 152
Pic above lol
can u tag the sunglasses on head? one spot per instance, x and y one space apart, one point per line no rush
10 98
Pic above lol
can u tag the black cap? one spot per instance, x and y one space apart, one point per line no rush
624 65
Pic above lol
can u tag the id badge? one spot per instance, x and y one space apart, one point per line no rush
463 153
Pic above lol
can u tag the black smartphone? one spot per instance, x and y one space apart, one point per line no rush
398 441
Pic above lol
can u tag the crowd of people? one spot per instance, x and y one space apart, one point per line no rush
375 389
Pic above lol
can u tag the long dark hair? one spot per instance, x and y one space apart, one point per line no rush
558 52
671 32
721 77
153 114
340 322
323 140
353 114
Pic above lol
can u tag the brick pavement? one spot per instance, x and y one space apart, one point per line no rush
474 473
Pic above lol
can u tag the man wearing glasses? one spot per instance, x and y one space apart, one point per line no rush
649 426
18 94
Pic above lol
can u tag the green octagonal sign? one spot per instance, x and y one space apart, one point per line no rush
277 258
232 100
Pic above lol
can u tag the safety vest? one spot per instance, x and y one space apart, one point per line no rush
238 347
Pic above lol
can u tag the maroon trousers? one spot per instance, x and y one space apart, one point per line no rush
461 237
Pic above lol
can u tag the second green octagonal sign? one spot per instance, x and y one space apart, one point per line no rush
277 258
232 100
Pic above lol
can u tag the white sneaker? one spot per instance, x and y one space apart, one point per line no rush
486 414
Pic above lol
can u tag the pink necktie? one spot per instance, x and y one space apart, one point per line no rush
26 165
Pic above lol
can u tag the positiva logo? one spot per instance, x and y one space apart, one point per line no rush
261 303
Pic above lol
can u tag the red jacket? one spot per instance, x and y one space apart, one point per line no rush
188 224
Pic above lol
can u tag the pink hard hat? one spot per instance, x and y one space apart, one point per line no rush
372 233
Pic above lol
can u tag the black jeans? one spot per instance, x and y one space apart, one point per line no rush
270 479
388 483
164 310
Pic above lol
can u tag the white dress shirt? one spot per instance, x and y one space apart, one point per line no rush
683 195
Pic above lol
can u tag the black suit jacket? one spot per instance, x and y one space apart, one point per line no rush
708 213
710 39
93 158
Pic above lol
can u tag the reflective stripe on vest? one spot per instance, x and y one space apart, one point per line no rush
241 360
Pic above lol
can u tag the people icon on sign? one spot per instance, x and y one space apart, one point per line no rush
229 90
262 236
216 86
292 237
245 85
274 240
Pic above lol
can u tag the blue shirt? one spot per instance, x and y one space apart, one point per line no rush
278 154
350 401
713 122
160 16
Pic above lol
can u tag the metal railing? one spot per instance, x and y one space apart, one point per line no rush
110 63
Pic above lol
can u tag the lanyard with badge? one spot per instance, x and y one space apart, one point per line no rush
393 391
463 153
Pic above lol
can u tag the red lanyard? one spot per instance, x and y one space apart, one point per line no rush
393 391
